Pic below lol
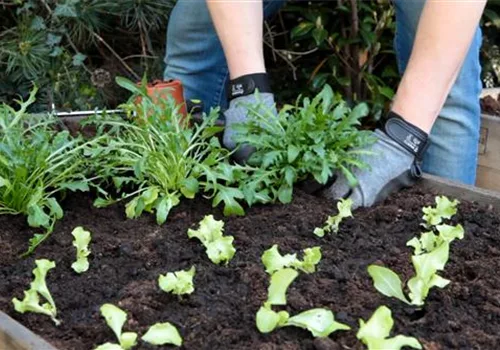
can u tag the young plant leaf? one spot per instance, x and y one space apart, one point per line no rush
387 282
81 242
332 223
274 261
31 301
268 320
280 281
179 282
116 318
162 334
374 333
444 209
320 322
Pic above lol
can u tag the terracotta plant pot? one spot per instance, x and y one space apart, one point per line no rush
162 89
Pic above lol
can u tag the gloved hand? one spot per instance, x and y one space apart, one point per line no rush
241 94
394 165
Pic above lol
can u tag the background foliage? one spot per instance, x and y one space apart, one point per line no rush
73 49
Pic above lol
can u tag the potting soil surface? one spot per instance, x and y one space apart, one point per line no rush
128 256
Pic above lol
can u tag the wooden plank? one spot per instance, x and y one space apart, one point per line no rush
14 336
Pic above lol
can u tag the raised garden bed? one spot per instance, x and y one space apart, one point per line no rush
129 255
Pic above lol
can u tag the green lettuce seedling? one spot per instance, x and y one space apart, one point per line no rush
431 255
274 261
320 322
81 243
374 333
31 301
219 248
115 318
179 282
332 223
280 281
162 334
444 209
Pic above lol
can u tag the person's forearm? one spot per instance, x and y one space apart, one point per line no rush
444 34
239 27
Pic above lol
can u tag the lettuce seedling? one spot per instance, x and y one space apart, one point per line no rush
219 248
429 241
115 318
179 282
332 223
280 281
374 333
162 334
274 261
81 243
444 209
31 301
320 322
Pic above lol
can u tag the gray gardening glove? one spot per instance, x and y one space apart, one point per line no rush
394 164
241 94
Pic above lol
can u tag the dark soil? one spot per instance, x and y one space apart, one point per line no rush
490 105
129 255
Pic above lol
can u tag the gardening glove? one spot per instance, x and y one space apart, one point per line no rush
394 164
241 94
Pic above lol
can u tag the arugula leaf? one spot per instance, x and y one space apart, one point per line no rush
179 282
229 195
31 301
81 242
162 334
375 332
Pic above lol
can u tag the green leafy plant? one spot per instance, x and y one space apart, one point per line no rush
162 334
81 243
179 282
219 248
444 209
157 334
320 322
431 253
274 261
332 223
280 281
312 139
375 332
115 318
38 287
156 158
38 164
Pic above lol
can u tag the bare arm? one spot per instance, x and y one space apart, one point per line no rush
444 34
239 27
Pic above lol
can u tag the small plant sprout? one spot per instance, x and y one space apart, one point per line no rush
431 254
162 334
444 209
179 282
320 322
81 243
332 223
31 301
280 281
274 261
219 248
115 318
374 333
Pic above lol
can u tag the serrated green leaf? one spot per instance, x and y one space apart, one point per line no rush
274 261
293 152
178 282
229 196
76 186
221 250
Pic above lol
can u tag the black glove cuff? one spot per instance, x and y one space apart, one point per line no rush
247 84
407 135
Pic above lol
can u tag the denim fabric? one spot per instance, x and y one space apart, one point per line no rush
454 138
195 56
